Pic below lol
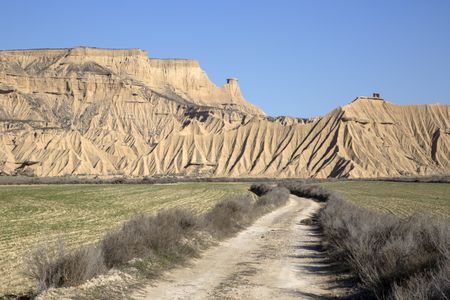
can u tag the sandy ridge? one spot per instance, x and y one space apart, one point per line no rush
103 112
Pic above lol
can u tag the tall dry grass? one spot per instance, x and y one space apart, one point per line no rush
55 267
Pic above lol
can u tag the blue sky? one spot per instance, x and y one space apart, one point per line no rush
298 58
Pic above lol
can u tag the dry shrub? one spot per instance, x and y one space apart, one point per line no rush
58 268
393 258
170 229
130 241
229 216
426 285
233 214
261 189
314 191
274 198
144 235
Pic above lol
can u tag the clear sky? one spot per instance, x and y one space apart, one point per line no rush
298 58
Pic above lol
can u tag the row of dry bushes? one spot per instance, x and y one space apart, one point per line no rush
13 180
390 257
170 235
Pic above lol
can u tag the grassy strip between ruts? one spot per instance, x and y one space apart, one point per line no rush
150 242
390 257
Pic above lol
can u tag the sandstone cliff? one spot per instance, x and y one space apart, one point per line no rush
87 111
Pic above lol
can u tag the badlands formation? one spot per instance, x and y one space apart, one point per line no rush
101 112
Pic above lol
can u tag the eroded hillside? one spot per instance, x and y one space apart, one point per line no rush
87 111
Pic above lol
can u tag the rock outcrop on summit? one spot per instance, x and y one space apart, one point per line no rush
101 112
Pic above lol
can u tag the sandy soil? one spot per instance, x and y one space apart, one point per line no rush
275 257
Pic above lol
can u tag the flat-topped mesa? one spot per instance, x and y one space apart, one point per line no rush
375 96
188 80
84 51
372 109
78 51
173 62
176 78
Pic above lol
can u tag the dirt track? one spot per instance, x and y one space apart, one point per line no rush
276 257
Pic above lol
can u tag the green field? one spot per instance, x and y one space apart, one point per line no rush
400 198
33 214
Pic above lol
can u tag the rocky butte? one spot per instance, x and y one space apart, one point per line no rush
103 112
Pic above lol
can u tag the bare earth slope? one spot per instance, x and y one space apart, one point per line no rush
274 258
100 112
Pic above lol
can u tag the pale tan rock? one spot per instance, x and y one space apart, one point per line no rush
87 111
